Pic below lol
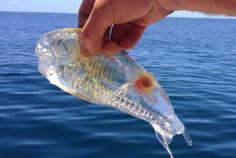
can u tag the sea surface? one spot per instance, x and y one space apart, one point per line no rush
194 60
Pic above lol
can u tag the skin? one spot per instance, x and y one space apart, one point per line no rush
129 19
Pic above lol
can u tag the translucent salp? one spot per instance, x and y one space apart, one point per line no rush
117 81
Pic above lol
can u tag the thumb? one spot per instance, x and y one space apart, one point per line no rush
92 34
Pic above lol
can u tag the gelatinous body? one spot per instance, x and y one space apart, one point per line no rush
116 81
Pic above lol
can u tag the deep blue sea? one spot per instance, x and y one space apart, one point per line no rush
194 60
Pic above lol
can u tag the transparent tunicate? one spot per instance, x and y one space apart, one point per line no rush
117 81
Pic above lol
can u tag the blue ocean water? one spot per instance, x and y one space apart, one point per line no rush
194 60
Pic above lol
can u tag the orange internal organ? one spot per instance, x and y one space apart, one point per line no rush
145 83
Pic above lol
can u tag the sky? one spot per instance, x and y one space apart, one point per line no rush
69 6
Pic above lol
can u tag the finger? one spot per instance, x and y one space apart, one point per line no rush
111 45
82 18
110 48
94 30
119 31
155 14
132 37
84 12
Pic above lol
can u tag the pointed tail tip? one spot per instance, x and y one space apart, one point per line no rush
169 151
187 138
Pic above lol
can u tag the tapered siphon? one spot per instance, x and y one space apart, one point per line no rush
117 81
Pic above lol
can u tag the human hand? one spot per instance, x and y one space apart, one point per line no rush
130 19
